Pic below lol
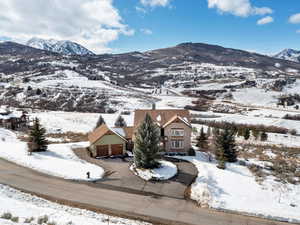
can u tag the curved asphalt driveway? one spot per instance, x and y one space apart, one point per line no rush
119 177
159 210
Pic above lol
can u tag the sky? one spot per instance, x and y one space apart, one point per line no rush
116 26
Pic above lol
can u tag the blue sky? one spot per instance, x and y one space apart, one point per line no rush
193 21
265 26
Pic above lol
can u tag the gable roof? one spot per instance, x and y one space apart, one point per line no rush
160 116
176 117
101 131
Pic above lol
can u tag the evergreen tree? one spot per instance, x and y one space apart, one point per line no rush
225 146
146 148
120 122
264 136
247 134
100 122
202 142
37 137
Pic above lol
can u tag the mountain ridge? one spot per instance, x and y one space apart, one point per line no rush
289 54
62 47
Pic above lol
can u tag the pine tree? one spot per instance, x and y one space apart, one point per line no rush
225 146
202 142
37 138
146 148
120 122
264 136
247 134
100 122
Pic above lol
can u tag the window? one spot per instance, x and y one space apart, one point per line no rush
177 144
177 132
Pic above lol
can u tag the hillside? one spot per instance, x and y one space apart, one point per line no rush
96 83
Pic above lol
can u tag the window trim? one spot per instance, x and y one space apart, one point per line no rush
180 146
181 132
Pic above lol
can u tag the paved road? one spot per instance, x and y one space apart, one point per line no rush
162 210
120 178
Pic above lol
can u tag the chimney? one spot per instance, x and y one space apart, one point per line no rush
153 106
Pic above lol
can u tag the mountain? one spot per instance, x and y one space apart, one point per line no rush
62 47
289 54
98 83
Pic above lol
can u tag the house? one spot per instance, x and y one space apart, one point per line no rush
174 125
13 120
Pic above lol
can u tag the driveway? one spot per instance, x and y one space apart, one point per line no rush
158 210
119 177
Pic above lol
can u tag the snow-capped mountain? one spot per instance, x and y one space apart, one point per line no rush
289 54
62 47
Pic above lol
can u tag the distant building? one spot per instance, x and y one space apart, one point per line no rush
13 120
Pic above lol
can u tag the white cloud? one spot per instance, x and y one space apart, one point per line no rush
265 20
241 8
92 23
295 18
140 9
154 3
146 31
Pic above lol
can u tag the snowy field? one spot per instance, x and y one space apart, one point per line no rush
60 122
235 189
166 171
58 161
26 206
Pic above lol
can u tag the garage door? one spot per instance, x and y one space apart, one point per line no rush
102 150
117 149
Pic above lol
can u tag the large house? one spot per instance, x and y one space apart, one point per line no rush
174 125
13 120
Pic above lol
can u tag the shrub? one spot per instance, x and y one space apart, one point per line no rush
15 219
191 152
51 223
29 220
42 219
6 216
293 132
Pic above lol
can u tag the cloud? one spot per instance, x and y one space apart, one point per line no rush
92 23
295 18
298 31
242 8
146 31
140 9
154 3
265 20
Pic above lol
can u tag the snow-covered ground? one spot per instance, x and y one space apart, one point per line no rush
235 188
60 122
166 171
58 161
26 206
